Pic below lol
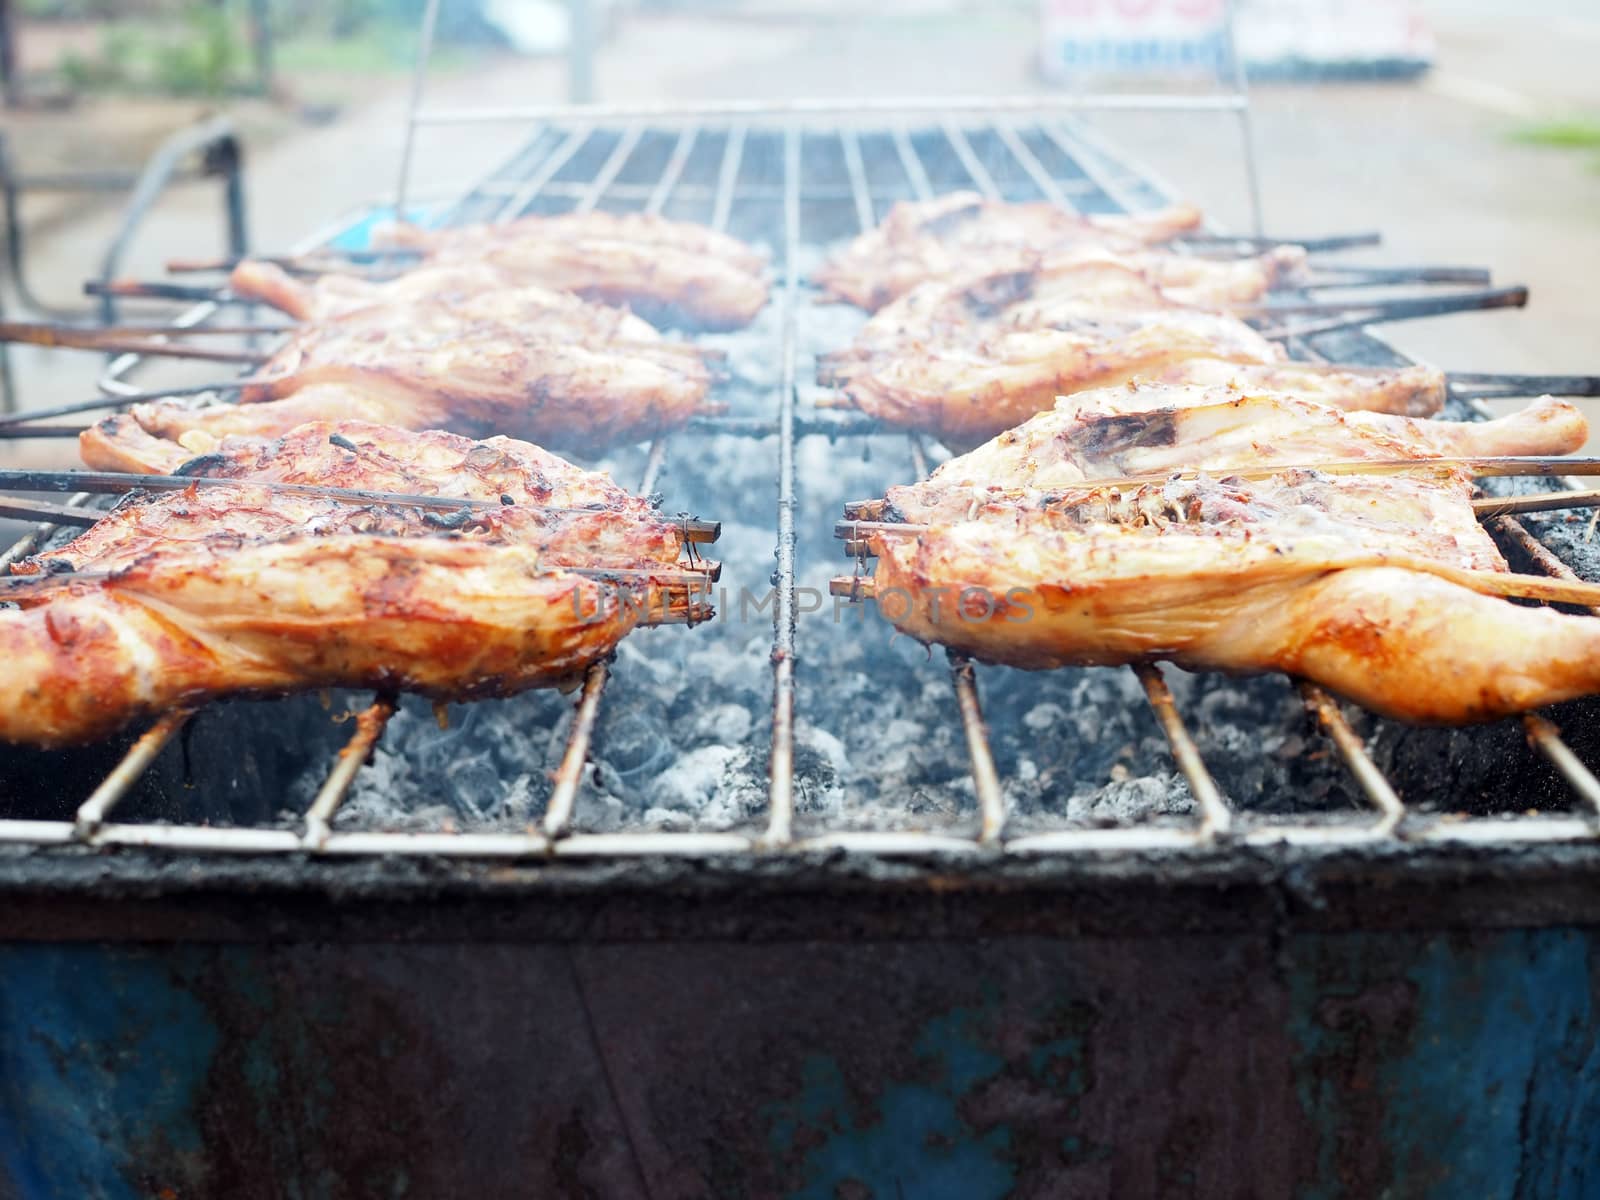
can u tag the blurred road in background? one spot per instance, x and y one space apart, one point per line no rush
1432 163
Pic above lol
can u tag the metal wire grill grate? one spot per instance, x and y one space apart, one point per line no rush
810 182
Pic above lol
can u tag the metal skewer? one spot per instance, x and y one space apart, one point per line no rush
58 337
135 289
38 510
1341 241
1490 384
1360 314
335 257
104 402
1353 276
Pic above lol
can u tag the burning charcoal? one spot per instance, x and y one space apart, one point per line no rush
703 789
721 724
1132 801
633 738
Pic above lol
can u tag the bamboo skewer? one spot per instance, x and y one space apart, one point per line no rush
117 482
1501 506
1491 583
677 586
1503 466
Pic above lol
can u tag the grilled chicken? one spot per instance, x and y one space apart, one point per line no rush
1060 287
1155 429
946 238
576 377
1391 629
964 392
1385 589
1425 513
671 272
450 618
571 514
242 588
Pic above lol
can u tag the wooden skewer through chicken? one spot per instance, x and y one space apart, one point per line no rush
227 590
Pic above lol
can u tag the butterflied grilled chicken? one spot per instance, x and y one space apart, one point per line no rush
241 588
1425 513
450 618
950 236
1061 287
966 391
669 271
1154 429
575 377
1385 589
572 515
1388 627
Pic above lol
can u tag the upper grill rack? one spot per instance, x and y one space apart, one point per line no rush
719 172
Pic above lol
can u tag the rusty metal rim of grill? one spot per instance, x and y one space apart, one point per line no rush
1118 184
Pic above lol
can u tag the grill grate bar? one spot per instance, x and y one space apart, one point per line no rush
569 775
370 725
660 191
610 169
753 191
916 173
1042 179
1541 733
985 779
727 177
855 168
780 816
1088 138
1119 195
970 162
563 797
93 811
1544 735
534 184
1215 817
1356 759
